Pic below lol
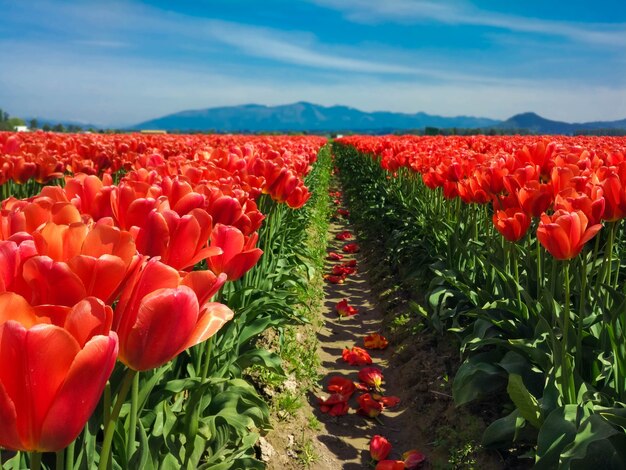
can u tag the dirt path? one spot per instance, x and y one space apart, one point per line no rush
345 439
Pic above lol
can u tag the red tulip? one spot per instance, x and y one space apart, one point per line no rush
345 235
565 233
356 356
344 309
351 248
379 447
238 252
413 458
535 198
343 270
368 406
55 364
334 406
334 279
372 377
334 256
375 341
512 223
160 314
341 385
390 465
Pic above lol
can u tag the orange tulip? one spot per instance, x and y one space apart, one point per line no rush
160 314
356 356
565 233
55 364
375 341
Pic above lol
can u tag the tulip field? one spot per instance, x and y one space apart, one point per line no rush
516 245
139 274
136 273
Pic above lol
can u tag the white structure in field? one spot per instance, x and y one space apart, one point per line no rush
21 128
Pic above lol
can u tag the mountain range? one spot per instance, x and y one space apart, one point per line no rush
303 116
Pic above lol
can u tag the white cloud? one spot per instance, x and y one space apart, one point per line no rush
463 13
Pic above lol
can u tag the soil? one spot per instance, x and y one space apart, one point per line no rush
416 366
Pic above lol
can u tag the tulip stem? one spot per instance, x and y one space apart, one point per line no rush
207 359
132 419
60 460
565 368
109 429
35 460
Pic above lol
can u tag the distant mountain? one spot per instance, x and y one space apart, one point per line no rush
304 116
539 125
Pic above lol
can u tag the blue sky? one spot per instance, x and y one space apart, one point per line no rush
121 62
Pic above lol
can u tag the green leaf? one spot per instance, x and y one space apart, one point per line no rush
526 403
593 429
558 431
170 462
501 432
477 377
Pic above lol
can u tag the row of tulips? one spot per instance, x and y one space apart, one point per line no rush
268 164
505 223
93 272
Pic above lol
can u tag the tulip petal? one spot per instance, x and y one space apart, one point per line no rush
9 438
78 396
100 276
15 307
52 282
88 318
34 365
214 316
204 283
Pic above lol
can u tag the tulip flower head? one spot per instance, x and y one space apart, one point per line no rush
379 447
160 314
351 248
375 341
372 377
512 223
565 233
56 361
334 279
368 406
413 458
345 235
343 309
334 256
356 356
